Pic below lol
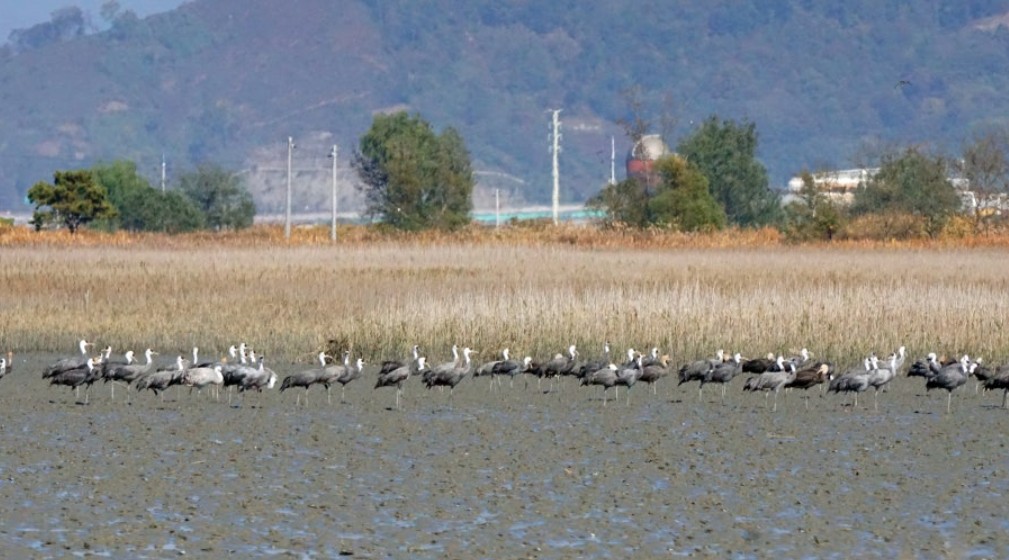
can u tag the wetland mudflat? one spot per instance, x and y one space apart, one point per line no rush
513 473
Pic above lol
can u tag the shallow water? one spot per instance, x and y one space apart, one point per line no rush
510 473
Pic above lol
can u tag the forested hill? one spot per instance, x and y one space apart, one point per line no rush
228 81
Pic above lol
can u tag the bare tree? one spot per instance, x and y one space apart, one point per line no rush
984 164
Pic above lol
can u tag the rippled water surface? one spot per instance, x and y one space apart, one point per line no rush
510 473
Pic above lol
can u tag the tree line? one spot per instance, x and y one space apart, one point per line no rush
113 196
416 178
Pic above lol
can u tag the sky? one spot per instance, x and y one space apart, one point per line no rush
19 14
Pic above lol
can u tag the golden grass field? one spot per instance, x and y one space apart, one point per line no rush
535 291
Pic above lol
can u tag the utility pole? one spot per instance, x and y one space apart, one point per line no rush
163 173
613 161
334 154
287 215
497 208
556 148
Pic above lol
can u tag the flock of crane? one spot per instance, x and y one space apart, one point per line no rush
771 374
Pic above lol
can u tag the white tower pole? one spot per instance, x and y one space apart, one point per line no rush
334 154
556 167
287 214
163 173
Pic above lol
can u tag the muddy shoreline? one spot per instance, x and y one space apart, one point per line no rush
513 473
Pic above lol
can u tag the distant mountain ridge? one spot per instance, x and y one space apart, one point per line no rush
228 81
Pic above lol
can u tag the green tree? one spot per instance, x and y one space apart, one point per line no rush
812 216
726 153
910 182
680 199
74 199
220 196
141 207
412 178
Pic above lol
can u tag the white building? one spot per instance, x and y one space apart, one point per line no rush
840 186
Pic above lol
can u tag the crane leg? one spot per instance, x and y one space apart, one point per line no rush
949 401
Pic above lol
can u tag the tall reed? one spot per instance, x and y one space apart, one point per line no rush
380 298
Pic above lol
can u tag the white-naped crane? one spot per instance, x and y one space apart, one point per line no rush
510 368
880 375
128 373
85 375
724 372
160 380
444 368
699 370
627 376
771 381
605 377
200 377
855 380
760 365
258 379
65 364
651 373
808 377
999 380
595 365
452 377
398 376
350 374
305 379
390 365
950 378
559 365
486 369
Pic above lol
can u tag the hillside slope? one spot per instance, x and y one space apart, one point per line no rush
229 80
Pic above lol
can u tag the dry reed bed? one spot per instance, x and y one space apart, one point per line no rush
381 298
